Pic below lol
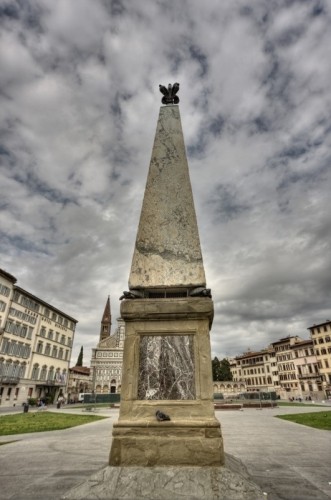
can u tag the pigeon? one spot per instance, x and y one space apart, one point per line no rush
161 417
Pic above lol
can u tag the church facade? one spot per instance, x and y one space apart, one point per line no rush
107 356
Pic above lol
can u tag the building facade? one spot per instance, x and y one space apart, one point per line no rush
79 382
256 370
321 338
229 389
35 345
307 370
288 378
107 357
292 367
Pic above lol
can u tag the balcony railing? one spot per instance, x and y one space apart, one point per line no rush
54 382
9 380
309 376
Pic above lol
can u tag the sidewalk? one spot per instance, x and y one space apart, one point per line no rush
289 461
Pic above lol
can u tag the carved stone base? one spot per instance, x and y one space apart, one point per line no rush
167 443
230 482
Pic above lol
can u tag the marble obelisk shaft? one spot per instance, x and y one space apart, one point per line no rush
167 251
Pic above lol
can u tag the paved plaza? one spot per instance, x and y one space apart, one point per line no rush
288 461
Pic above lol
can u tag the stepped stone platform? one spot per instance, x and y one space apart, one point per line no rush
229 482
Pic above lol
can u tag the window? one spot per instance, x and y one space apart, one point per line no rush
54 316
43 373
50 334
57 336
63 339
35 372
30 330
48 349
326 363
4 290
23 331
43 331
29 304
51 373
22 370
321 341
4 346
54 352
2 306
40 347
327 339
46 312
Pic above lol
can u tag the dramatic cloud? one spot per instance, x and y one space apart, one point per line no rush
78 111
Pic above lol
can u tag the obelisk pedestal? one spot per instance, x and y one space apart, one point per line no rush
167 368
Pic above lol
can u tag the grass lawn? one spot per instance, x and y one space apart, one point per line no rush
318 420
284 403
81 406
41 421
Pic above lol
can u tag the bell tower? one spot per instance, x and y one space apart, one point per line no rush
106 322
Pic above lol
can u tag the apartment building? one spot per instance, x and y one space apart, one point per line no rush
287 375
36 341
292 367
307 371
255 369
321 338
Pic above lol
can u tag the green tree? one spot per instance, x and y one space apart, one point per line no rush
216 368
80 358
221 370
225 370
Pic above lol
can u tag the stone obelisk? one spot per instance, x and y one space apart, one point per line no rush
167 414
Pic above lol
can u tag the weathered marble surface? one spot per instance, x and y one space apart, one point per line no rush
166 367
167 250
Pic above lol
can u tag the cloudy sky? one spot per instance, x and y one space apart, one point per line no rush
79 105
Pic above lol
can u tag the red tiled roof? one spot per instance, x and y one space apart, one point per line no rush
84 370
